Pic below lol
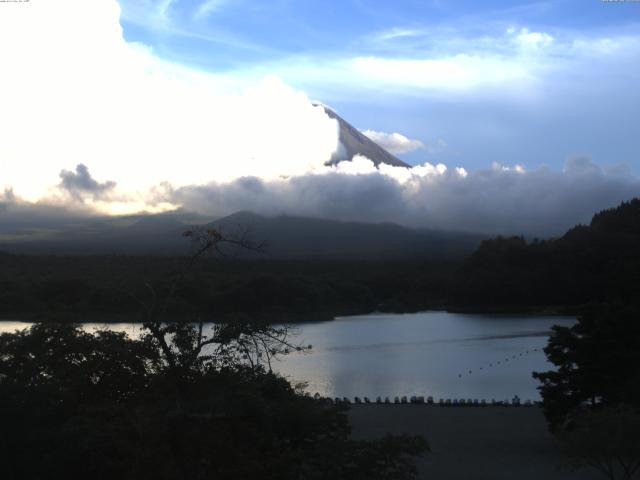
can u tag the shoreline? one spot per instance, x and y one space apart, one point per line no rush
292 318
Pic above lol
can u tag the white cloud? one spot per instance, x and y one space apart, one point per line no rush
398 32
458 72
519 62
395 143
75 92
531 40
157 135
208 7
509 59
162 17
153 13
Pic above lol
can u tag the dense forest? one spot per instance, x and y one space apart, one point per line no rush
112 286
593 264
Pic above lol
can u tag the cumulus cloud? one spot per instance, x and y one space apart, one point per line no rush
76 93
80 184
498 200
530 40
75 90
395 143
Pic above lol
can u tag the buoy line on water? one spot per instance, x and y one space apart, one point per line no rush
504 360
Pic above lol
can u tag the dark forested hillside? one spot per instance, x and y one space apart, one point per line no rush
84 287
287 237
598 263
310 268
589 264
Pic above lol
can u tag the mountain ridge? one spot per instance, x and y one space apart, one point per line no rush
305 237
354 142
287 237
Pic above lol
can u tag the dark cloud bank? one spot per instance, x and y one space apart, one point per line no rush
80 183
541 202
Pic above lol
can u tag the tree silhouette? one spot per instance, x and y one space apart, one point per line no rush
176 403
597 363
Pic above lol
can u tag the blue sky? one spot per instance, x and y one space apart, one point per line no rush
539 82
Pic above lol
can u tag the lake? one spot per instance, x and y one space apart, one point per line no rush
445 355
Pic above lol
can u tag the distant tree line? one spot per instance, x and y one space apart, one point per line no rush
589 265
82 287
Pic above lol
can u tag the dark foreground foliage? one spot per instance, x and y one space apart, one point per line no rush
592 399
597 363
104 406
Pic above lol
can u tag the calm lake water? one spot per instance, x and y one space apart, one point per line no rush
446 355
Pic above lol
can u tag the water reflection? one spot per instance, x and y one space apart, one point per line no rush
430 353
441 354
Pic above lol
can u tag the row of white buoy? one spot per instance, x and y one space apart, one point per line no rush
504 360
462 402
